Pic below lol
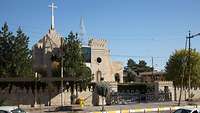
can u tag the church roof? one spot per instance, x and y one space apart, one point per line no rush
52 39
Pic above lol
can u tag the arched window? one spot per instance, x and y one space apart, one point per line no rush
98 76
117 77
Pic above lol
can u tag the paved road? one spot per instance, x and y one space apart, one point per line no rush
157 112
111 110
85 112
94 109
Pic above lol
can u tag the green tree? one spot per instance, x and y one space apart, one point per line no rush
133 69
15 55
130 70
177 69
86 77
74 65
73 58
6 44
131 64
142 67
103 89
21 55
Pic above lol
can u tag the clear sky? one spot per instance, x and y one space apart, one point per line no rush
136 29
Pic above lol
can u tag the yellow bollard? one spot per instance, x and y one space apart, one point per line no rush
81 102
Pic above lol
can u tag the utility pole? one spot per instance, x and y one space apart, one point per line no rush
152 68
189 66
189 62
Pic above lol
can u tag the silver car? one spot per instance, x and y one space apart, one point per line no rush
11 109
187 110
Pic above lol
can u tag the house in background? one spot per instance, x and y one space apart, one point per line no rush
152 76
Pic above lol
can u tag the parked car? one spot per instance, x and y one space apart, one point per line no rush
11 109
187 110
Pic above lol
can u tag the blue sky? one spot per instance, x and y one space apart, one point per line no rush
136 29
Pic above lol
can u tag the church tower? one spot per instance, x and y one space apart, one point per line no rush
101 64
45 48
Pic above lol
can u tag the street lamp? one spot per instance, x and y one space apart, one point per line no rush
62 100
189 64
36 76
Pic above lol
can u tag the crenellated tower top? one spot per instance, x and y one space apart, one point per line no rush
99 43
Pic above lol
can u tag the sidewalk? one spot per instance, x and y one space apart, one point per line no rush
134 106
137 107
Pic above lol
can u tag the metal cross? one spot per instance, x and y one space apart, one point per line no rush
52 6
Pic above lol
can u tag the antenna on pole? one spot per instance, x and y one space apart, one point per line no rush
52 6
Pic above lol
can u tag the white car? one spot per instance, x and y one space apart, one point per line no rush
187 110
11 109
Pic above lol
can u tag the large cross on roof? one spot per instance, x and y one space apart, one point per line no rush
52 6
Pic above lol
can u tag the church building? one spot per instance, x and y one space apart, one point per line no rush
97 55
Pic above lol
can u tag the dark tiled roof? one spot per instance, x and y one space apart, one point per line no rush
150 73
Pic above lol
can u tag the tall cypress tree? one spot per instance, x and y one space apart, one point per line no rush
23 57
15 55
73 58
74 65
6 44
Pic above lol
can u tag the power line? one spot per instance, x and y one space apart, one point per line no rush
39 31
117 55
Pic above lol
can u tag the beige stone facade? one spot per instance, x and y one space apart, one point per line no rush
106 68
43 50
50 45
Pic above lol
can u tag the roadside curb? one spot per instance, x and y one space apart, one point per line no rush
145 109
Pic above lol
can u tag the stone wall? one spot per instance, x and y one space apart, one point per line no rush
23 96
45 96
161 85
164 86
195 92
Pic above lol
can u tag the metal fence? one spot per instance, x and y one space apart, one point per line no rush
128 98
